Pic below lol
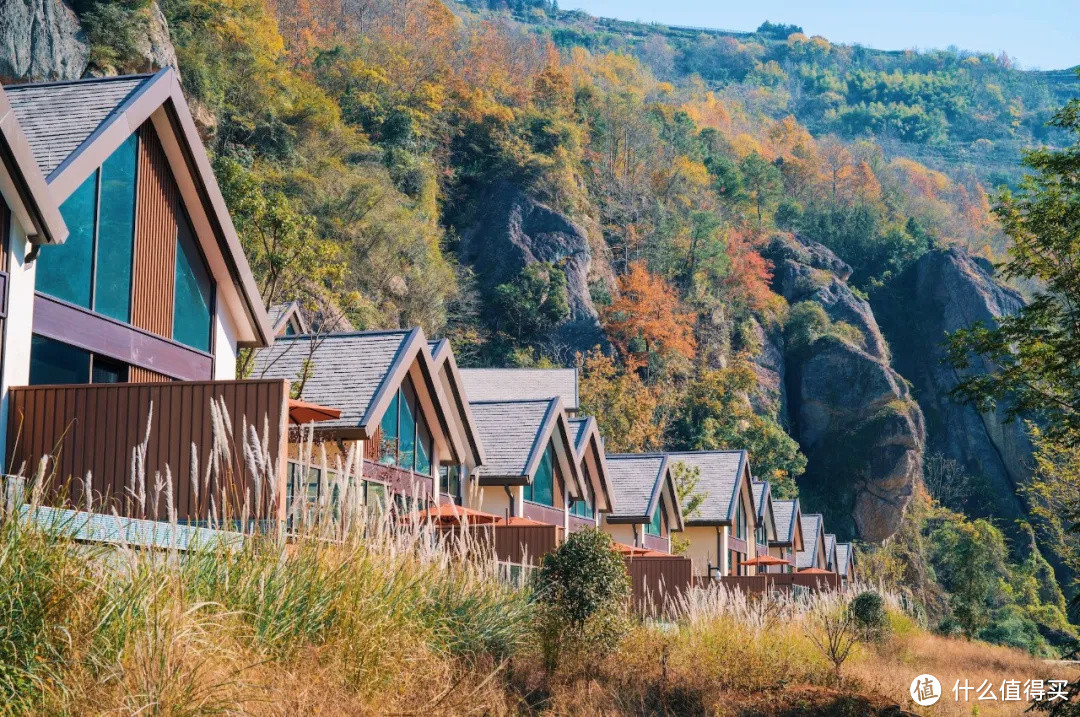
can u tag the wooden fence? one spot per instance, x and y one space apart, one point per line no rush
96 428
655 581
760 584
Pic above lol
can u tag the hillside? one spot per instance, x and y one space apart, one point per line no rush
952 110
717 228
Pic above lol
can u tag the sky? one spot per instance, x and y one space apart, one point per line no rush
1042 34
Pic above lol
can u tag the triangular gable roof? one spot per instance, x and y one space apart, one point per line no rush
283 314
23 185
788 523
763 504
845 559
830 552
813 539
587 440
73 127
721 477
446 365
638 480
509 384
515 435
358 373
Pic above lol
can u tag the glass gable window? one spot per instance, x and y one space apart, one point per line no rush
542 488
192 312
92 268
655 526
116 233
406 440
583 508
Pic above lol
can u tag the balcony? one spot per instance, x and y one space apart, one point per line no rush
542 513
579 523
127 434
399 481
655 542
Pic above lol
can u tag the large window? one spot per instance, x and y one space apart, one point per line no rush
542 488
406 440
193 304
53 362
583 508
740 521
655 526
92 268
450 478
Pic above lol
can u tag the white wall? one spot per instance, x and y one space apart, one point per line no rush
702 548
224 347
17 329
621 533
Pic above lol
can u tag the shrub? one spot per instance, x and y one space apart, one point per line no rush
868 609
581 591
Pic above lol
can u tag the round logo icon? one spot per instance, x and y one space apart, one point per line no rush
925 690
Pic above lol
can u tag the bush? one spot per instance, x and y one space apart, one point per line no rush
581 590
868 609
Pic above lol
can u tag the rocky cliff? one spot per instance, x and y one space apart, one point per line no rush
943 291
41 40
513 231
852 414
45 40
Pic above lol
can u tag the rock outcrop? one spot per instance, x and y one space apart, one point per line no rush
514 231
853 415
41 40
943 291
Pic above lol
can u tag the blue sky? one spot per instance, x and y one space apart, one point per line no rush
1037 33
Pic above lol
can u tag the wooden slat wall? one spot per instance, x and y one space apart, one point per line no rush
137 374
656 582
525 544
157 207
94 428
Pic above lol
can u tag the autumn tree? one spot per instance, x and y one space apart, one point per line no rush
647 318
762 180
625 408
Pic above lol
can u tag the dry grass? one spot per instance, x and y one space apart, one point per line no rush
371 616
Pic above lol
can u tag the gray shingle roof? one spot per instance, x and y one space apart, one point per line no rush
634 481
718 479
510 384
758 488
509 431
830 549
785 510
843 558
811 526
347 368
578 432
57 117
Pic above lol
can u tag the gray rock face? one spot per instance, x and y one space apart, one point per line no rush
156 48
41 40
516 231
853 415
944 291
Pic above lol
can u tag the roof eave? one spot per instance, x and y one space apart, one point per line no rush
42 222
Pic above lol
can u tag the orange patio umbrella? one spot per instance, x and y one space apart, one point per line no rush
766 560
632 552
815 571
450 514
301 412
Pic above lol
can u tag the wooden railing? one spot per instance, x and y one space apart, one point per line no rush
400 481
542 513
654 542
577 523
95 429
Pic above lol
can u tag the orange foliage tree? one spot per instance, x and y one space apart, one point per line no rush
647 318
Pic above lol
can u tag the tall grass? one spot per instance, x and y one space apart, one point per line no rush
349 609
